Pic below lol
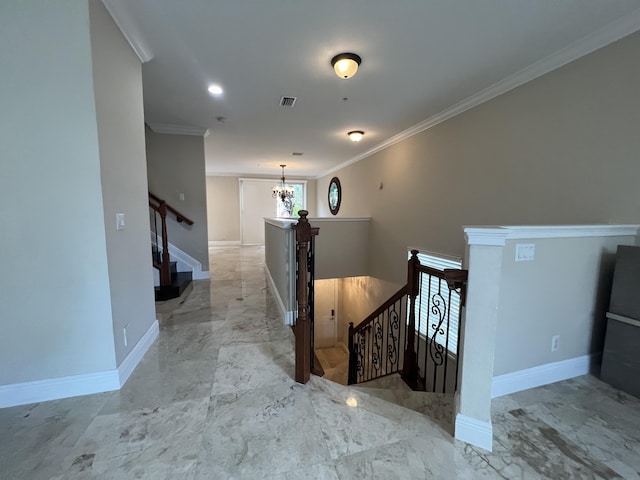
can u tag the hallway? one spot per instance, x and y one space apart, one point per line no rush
214 399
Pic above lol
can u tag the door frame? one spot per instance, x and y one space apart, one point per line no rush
265 180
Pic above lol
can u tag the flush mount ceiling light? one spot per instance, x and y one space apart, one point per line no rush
355 135
346 64
215 89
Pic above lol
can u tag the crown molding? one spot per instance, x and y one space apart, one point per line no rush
178 129
600 38
129 29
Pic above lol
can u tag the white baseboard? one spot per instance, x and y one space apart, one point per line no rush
223 243
185 261
474 431
286 314
55 388
543 375
76 385
289 318
130 362
200 275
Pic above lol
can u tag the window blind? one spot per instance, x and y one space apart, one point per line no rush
428 319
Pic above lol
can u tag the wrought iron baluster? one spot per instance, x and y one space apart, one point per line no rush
394 324
439 309
446 347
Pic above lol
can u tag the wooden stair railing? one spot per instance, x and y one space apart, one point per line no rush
305 354
163 208
379 336
388 340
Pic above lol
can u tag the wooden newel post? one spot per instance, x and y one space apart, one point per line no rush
165 270
304 232
353 358
410 365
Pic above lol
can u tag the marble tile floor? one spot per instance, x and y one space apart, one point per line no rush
214 399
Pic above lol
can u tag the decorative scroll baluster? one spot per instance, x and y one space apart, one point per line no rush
389 340
375 345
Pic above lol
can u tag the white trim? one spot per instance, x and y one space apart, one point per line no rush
543 375
611 32
136 354
223 243
194 266
339 219
200 275
498 235
178 129
474 431
284 223
453 258
287 316
55 388
76 385
129 29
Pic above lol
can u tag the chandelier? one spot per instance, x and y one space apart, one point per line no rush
283 191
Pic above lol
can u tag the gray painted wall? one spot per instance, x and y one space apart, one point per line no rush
223 209
175 164
564 291
278 244
118 97
223 205
562 149
341 247
55 302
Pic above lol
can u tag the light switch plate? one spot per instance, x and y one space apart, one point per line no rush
525 252
120 221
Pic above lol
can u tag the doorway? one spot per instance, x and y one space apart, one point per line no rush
256 203
325 313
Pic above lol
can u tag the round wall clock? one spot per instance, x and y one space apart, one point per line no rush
335 195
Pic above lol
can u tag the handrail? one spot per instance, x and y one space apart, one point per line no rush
162 208
389 340
179 216
381 309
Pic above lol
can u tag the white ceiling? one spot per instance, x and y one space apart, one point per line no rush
422 61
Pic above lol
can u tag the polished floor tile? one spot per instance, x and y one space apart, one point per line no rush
214 398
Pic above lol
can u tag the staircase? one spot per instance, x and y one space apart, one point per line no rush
172 282
414 333
392 389
179 280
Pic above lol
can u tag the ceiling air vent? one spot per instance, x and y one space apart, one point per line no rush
288 101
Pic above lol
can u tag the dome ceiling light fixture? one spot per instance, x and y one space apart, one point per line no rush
215 89
355 135
346 64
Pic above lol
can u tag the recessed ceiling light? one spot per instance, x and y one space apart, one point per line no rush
356 135
215 89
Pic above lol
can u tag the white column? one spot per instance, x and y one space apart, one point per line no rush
480 317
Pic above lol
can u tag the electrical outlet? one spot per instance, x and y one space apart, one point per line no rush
124 334
555 343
